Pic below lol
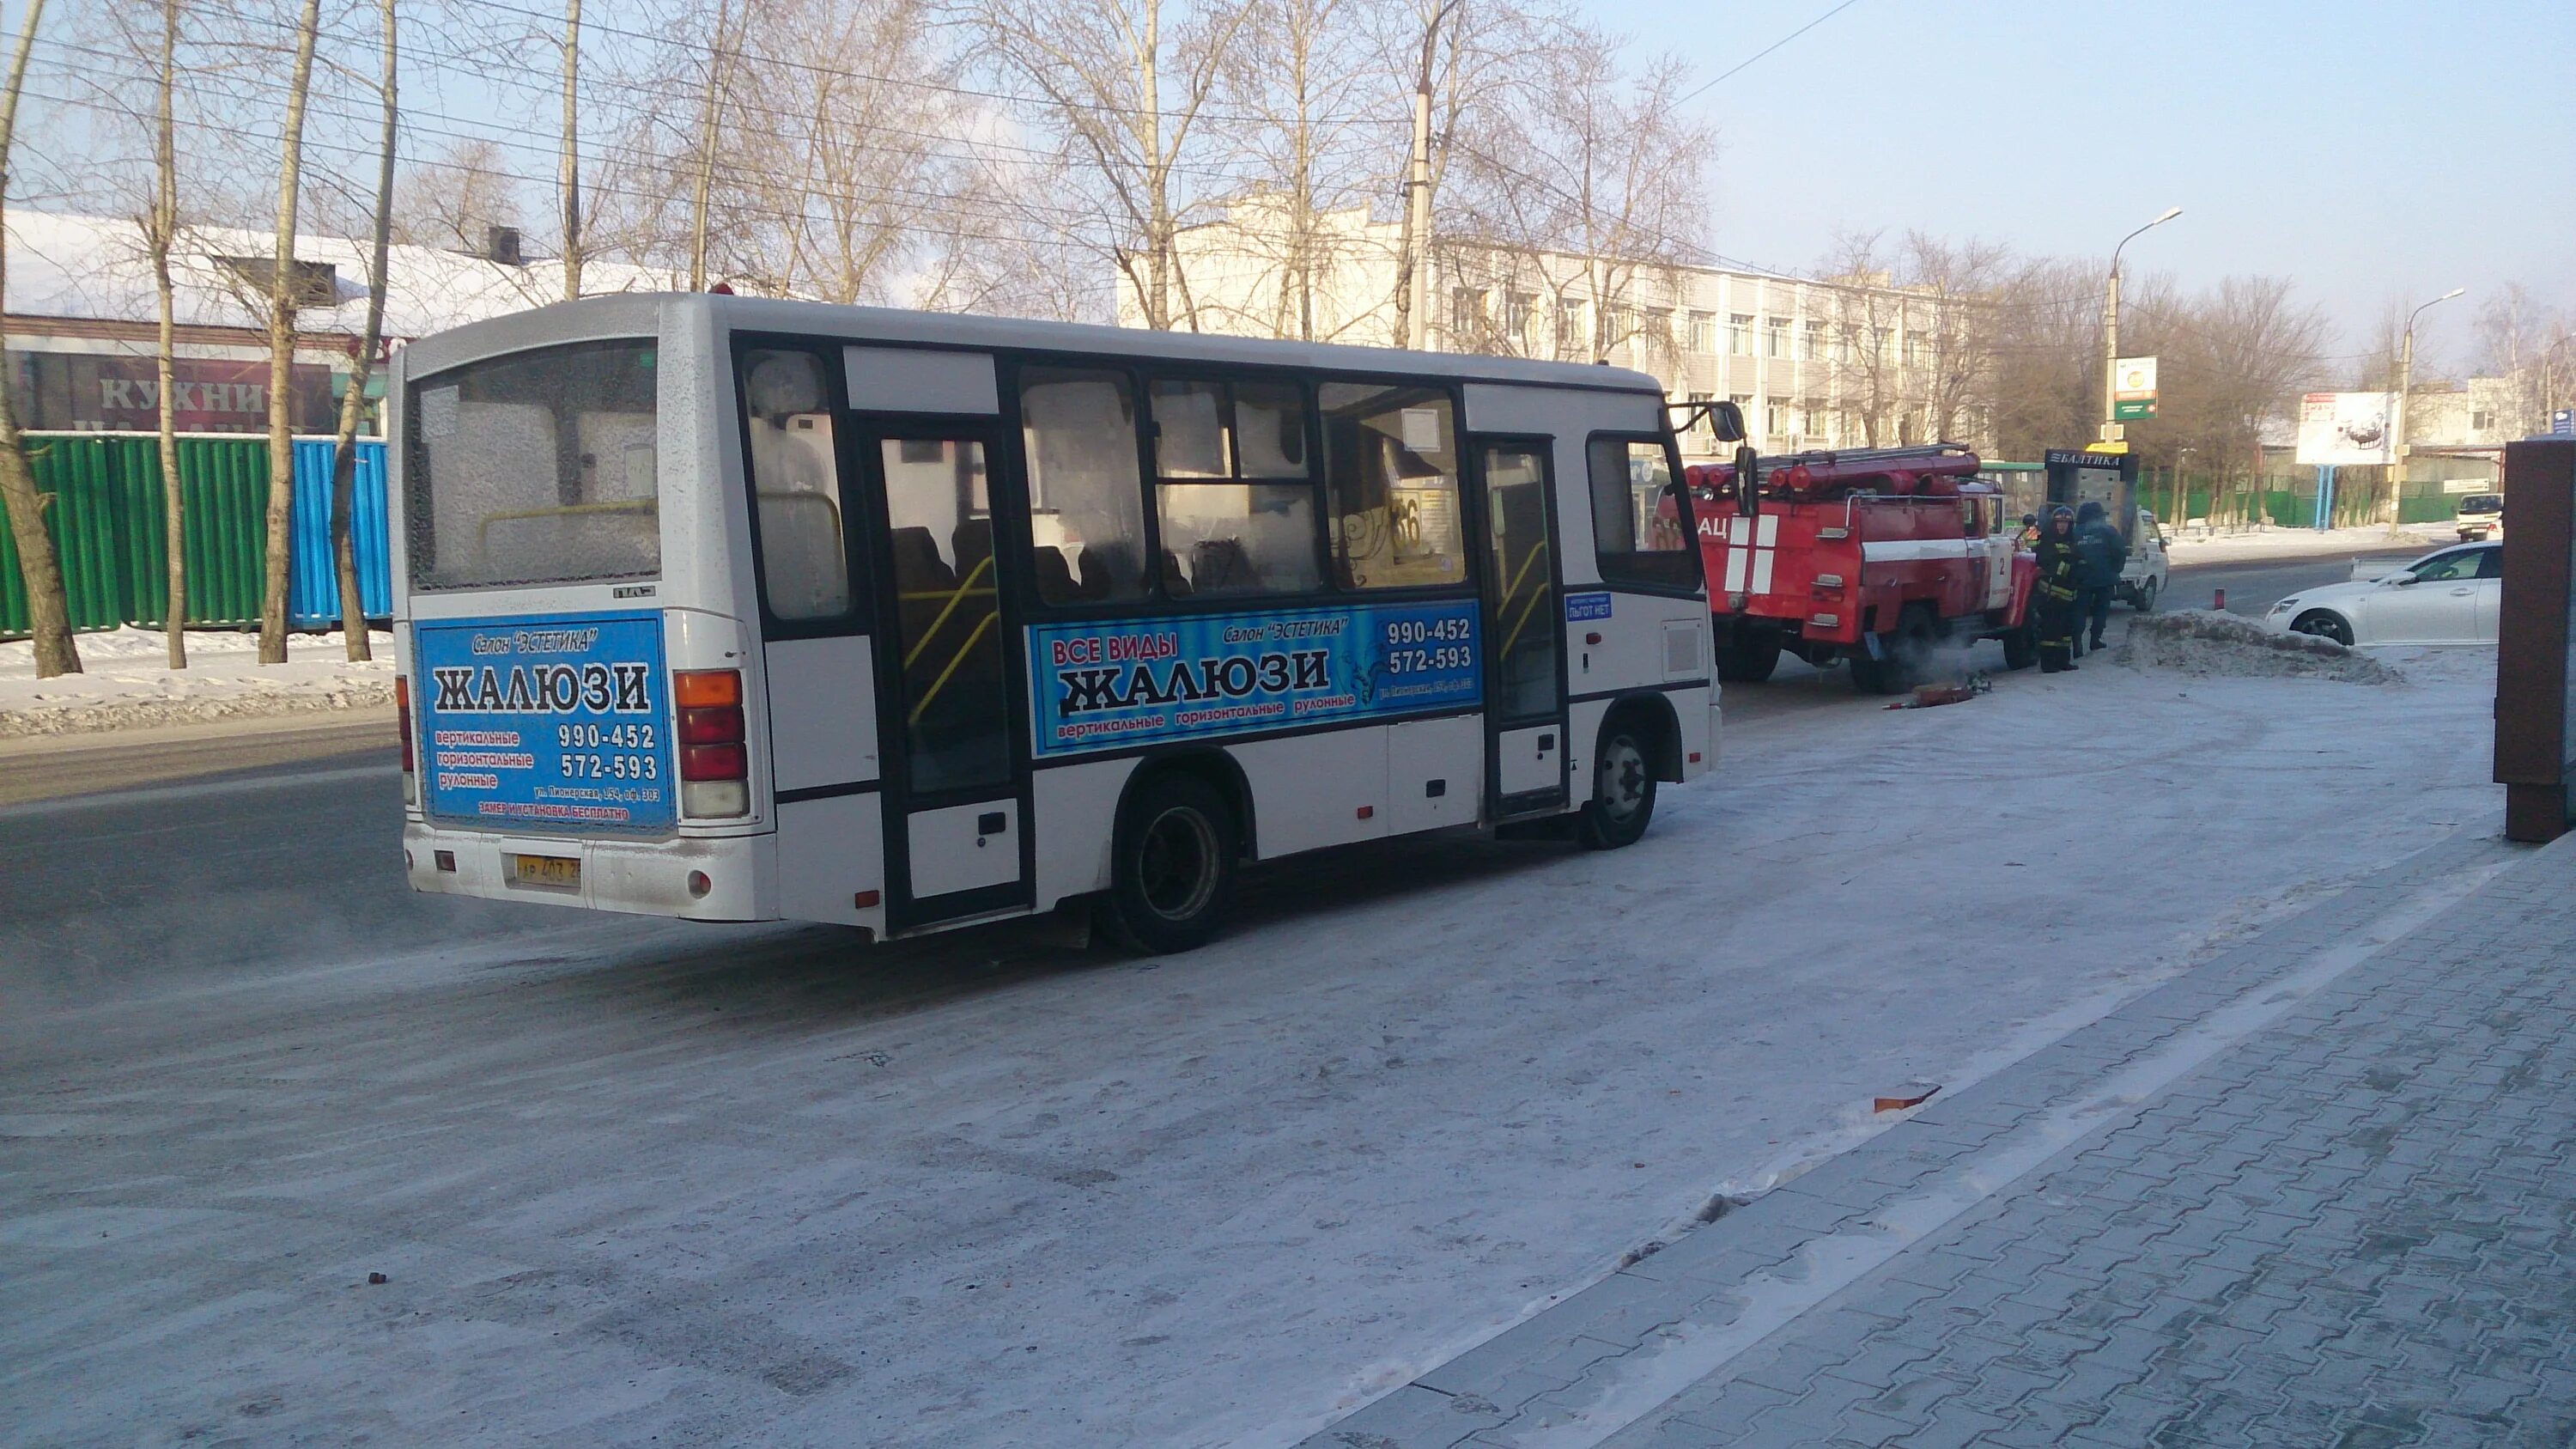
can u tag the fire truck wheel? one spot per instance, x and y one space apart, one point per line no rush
2021 646
2144 599
1623 789
1748 661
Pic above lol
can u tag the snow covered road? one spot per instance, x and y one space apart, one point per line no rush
629 1180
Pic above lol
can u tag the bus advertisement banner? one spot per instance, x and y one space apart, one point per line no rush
547 725
1110 685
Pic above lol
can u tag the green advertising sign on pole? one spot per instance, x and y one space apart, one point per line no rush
2133 389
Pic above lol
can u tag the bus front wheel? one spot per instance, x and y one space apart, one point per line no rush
1623 788
1173 873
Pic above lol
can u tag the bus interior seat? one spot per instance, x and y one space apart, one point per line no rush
1096 573
801 536
1220 566
972 541
1055 576
918 567
1176 584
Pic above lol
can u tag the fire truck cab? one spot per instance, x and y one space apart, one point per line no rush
1883 557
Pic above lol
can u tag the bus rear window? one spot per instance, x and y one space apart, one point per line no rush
535 469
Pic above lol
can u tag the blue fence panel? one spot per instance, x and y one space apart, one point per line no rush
313 579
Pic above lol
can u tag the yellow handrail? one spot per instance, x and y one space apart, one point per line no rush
1513 591
954 600
941 682
483 530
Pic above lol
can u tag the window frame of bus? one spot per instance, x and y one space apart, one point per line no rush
1227 380
416 501
1470 507
1154 600
859 616
1697 588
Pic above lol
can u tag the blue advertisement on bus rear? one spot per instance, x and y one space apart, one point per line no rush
1110 685
548 725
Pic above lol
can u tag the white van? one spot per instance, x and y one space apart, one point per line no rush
2146 573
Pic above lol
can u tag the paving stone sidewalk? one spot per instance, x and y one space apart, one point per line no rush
2315 1192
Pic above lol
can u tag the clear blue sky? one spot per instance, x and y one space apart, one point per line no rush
2368 149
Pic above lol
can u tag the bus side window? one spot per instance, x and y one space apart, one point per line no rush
1391 466
795 485
1086 502
1232 494
1636 520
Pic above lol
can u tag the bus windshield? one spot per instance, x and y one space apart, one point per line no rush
535 469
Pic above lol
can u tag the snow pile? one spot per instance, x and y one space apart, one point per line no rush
2199 641
123 684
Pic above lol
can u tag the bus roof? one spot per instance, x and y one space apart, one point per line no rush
640 314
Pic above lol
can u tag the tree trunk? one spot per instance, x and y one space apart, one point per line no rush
164 234
571 168
344 450
281 346
709 119
48 611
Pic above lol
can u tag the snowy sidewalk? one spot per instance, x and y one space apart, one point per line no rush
123 684
2294 543
2313 1192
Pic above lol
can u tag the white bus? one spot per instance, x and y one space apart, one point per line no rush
739 609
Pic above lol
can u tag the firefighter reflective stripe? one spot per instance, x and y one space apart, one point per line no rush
1751 544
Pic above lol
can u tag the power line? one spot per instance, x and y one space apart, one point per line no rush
1731 71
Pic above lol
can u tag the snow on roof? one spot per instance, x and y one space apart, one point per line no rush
97 268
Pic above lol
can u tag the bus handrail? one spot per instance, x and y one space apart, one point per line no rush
954 599
483 530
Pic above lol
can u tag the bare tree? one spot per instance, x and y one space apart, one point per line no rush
2532 345
568 182
1963 283
1865 316
1123 85
283 300
1592 188
455 199
1298 141
160 234
48 612
344 449
710 128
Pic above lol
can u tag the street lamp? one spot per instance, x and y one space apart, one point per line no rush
2397 407
2111 323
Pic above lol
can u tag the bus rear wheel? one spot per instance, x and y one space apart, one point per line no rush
1623 789
1172 873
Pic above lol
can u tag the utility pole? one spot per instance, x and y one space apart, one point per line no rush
2111 325
2397 409
1417 185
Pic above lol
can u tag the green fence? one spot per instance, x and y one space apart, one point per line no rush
103 507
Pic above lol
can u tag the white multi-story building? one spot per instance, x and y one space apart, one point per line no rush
1849 362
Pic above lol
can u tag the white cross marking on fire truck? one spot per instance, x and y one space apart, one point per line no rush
1751 545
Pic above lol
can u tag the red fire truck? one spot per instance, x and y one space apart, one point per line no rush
1879 556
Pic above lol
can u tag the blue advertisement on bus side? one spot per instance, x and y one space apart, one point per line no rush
546 724
1114 684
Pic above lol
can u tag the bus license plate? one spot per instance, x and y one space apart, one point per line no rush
547 870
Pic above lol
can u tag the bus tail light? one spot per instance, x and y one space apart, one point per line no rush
402 722
715 766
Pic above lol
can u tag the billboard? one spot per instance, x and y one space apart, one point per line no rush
2344 429
1124 683
557 724
2133 389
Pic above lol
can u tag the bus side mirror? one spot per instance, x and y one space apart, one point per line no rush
1748 477
1727 421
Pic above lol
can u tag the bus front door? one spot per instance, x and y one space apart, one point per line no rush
1525 744
956 809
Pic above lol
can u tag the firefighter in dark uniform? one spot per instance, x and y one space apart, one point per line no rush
2054 596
